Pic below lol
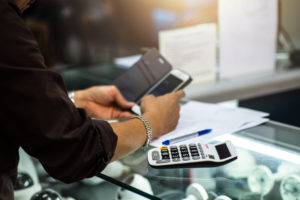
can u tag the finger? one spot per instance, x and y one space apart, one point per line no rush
177 108
148 98
180 94
176 118
126 115
120 100
117 114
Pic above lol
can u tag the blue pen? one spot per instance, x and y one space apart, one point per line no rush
186 137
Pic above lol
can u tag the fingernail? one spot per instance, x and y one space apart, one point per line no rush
131 103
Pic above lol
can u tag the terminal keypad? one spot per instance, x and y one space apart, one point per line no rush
165 153
184 152
177 153
194 151
189 154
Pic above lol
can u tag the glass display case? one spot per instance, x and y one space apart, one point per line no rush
267 167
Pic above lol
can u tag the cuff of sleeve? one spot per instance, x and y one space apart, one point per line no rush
108 140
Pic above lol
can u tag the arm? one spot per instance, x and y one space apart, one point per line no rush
107 102
37 113
103 102
162 114
40 117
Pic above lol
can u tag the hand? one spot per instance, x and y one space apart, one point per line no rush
103 102
23 4
162 112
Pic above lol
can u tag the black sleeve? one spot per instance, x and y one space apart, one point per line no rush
36 112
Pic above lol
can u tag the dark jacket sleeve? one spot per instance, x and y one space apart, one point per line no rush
36 112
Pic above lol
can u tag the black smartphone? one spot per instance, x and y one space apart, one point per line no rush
173 81
143 75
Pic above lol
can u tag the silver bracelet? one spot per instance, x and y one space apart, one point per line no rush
148 129
71 96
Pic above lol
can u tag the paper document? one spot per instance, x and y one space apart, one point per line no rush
248 31
192 50
196 116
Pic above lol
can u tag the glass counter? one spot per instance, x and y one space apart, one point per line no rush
267 167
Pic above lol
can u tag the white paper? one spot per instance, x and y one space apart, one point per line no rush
248 30
192 50
196 116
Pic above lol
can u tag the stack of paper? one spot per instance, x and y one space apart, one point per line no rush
196 116
191 49
248 33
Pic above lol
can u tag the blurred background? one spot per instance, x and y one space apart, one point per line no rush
79 33
81 38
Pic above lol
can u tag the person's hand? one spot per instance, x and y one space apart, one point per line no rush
23 4
162 112
103 102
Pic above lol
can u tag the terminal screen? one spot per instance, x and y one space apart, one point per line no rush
168 85
223 151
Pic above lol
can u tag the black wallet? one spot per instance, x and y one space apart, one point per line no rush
143 75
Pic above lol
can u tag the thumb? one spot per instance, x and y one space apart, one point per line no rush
180 94
121 101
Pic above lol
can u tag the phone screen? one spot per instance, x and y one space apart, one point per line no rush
166 86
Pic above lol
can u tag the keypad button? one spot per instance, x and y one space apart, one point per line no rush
165 154
185 155
194 151
184 152
155 155
185 158
163 161
176 159
195 157
200 147
173 149
175 155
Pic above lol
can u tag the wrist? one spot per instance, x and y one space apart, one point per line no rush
78 99
148 130
154 124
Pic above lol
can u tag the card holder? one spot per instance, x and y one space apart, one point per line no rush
145 73
133 83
